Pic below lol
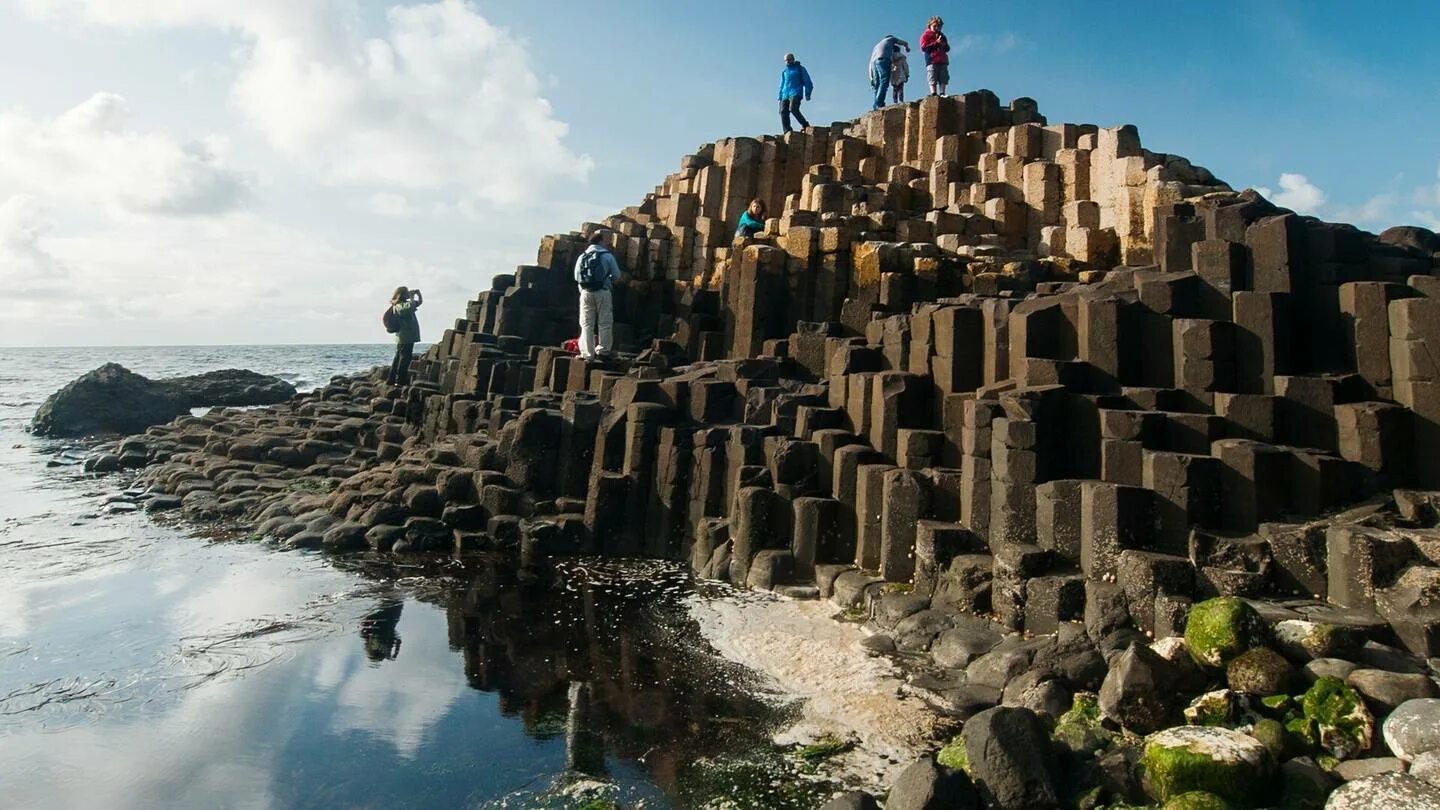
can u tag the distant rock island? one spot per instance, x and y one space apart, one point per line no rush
114 399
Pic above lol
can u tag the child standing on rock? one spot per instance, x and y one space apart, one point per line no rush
407 331
899 75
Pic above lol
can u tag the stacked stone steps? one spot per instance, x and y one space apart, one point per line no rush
1006 362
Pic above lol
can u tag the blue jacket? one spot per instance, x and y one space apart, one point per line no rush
795 82
607 258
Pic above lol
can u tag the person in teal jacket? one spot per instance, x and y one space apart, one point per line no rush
794 84
404 303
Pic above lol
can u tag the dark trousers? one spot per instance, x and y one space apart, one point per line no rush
400 366
788 107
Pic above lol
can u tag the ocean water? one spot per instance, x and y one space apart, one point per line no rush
147 663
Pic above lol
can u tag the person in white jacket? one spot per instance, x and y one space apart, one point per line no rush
899 75
595 270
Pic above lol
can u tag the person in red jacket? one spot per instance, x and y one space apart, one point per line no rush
937 56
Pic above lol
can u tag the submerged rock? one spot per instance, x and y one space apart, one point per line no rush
113 399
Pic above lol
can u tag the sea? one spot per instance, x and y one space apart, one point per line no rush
145 662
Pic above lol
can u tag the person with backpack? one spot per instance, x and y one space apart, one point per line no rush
595 270
899 75
400 320
880 66
794 83
937 56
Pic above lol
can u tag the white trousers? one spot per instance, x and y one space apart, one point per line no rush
597 323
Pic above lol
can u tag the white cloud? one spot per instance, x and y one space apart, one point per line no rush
1296 193
442 100
91 153
394 206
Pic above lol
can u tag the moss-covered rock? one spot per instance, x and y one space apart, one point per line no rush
1219 630
1216 708
1197 800
953 755
1338 718
1272 734
1260 671
1079 729
1231 765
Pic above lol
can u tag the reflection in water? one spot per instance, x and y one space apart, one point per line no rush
377 630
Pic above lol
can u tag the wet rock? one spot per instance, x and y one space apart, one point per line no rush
230 387
890 608
1010 761
1390 689
306 539
102 463
1138 693
345 537
113 399
1226 763
854 800
969 639
1352 769
916 632
162 503
1220 629
1260 671
1413 728
384 538
424 534
926 785
1386 791
995 668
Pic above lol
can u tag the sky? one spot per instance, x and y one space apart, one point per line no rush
267 171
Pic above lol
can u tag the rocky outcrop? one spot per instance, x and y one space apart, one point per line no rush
113 399
1177 446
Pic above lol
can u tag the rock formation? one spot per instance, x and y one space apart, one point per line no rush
113 399
979 365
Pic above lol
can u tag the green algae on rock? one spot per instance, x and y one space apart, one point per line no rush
1260 671
1337 718
1272 734
1217 708
1198 800
1079 729
954 756
1231 765
1219 630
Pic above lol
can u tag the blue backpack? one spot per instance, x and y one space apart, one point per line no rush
594 275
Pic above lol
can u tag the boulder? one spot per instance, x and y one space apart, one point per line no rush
1260 671
1390 689
1220 629
926 785
1234 766
1386 791
113 399
854 800
1138 693
1427 766
1413 728
1010 760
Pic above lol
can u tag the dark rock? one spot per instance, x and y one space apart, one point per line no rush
113 399
963 643
345 537
928 786
1010 760
1139 692
916 632
162 503
1331 667
879 643
995 668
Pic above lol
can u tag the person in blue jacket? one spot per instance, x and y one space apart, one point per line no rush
794 83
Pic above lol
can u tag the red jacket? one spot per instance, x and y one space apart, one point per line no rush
936 47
